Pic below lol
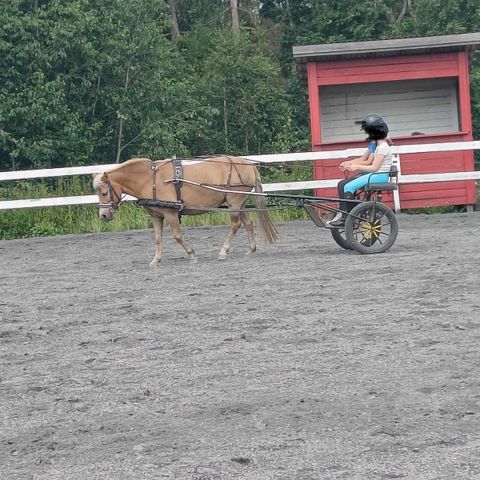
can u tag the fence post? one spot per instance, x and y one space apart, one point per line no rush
396 193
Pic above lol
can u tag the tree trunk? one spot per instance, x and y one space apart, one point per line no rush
234 8
175 31
121 117
225 122
119 139
289 14
406 5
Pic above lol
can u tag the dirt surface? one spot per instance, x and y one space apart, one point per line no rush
302 361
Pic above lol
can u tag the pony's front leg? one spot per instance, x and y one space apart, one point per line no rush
173 221
158 227
234 226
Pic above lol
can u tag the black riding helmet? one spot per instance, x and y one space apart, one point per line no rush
374 126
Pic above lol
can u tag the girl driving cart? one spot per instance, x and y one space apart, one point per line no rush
376 161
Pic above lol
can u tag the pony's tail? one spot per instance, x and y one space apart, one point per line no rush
269 232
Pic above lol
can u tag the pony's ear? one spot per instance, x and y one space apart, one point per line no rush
105 177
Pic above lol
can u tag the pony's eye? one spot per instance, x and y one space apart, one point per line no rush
104 194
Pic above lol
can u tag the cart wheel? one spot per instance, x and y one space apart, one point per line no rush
339 236
371 227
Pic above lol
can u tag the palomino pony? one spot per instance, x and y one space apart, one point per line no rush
171 188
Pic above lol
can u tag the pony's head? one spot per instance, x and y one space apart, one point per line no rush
109 196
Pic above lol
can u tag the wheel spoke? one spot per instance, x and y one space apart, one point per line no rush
382 214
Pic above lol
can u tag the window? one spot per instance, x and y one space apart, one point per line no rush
409 107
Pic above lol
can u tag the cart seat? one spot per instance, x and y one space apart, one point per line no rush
385 186
381 186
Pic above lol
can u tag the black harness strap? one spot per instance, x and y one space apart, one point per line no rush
233 165
154 180
177 177
143 202
178 205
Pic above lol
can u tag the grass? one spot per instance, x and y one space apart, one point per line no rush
41 222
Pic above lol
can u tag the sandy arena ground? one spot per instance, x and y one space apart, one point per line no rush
302 361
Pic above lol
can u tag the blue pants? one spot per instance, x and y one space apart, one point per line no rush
347 187
359 181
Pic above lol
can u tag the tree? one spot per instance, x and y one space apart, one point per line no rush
175 31
80 81
235 23
41 119
95 81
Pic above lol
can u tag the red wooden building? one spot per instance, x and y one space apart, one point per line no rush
419 85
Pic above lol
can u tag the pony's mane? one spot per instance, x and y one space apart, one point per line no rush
127 163
132 162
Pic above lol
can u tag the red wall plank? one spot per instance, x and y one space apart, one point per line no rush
385 77
395 60
388 69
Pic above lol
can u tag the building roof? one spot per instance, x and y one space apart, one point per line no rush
378 48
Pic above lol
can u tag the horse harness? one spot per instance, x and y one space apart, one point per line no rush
177 181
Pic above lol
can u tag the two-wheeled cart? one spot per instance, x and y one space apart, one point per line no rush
370 226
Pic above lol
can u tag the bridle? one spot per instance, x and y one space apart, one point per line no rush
115 200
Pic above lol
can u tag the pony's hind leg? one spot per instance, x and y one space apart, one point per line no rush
173 221
235 224
248 224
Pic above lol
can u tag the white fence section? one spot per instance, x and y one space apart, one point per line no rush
269 187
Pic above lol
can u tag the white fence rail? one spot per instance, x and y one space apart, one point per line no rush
270 187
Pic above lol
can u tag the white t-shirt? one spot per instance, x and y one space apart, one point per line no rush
386 150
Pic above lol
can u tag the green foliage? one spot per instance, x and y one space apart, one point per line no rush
95 81
244 87
42 222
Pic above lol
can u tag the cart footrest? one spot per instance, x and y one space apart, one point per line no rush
313 214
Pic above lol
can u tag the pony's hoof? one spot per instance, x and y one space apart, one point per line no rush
222 256
154 263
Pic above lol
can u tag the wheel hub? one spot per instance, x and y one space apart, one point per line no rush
370 229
